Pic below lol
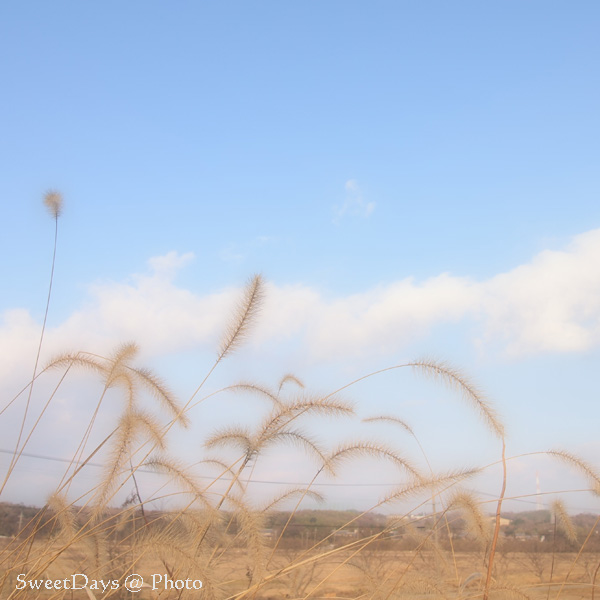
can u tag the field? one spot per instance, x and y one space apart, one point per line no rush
345 574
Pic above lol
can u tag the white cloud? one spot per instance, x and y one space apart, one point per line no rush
377 321
550 304
354 203
19 335
150 310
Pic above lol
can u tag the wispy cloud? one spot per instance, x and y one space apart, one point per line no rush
232 254
354 204
167 266
237 253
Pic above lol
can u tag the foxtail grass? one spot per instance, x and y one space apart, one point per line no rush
203 520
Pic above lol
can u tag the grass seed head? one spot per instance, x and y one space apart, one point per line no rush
54 202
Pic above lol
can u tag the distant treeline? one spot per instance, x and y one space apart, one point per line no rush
520 530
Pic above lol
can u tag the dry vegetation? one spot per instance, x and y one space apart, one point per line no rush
239 549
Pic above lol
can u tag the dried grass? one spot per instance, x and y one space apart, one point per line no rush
216 531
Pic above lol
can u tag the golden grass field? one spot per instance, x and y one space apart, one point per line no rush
370 574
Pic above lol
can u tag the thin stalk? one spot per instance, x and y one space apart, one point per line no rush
589 535
17 453
553 556
488 578
594 581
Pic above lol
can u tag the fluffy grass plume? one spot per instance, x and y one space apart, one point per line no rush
470 509
563 521
53 201
455 379
243 317
580 465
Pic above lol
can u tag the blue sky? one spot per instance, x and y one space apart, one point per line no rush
410 178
